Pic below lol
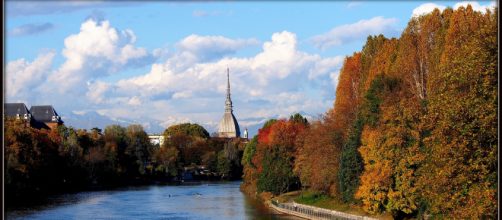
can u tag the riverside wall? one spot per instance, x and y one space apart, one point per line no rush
311 212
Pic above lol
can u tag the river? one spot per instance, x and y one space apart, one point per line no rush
208 200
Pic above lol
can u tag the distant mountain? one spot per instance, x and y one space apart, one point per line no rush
92 119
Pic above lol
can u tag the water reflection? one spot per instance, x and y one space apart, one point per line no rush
205 201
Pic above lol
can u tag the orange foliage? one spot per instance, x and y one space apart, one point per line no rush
264 135
317 159
286 133
460 176
347 93
382 62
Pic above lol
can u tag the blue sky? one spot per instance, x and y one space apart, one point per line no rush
160 63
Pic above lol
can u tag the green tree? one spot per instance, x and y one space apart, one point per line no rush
188 129
138 149
277 176
224 164
249 152
351 163
166 159
298 118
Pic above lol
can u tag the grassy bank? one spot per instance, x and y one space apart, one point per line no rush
324 201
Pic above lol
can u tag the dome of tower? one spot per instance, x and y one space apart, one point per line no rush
228 126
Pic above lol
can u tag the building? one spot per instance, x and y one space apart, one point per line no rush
156 139
228 127
44 116
17 111
245 133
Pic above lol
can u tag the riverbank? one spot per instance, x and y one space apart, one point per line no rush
304 205
311 212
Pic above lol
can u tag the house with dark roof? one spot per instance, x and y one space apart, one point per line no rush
17 111
44 116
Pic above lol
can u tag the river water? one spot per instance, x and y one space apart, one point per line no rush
210 200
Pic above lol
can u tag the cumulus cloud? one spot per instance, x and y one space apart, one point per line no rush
196 48
277 75
476 6
170 120
426 8
98 50
325 66
281 77
278 60
429 7
203 45
30 29
134 101
23 76
356 31
97 91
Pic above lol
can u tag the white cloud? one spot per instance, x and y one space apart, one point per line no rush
357 31
134 101
476 6
79 112
23 76
199 49
334 76
203 46
426 8
279 60
181 95
96 92
277 75
190 84
170 120
96 51
429 7
324 66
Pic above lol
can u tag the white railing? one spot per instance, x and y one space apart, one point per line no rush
311 212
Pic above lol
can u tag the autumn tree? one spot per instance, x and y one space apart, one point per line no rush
191 140
459 176
317 161
347 95
30 160
275 154
166 159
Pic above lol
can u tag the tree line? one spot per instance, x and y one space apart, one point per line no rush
413 129
43 162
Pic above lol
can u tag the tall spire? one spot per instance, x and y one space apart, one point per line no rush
228 102
228 127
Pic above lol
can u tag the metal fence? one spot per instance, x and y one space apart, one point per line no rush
314 212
